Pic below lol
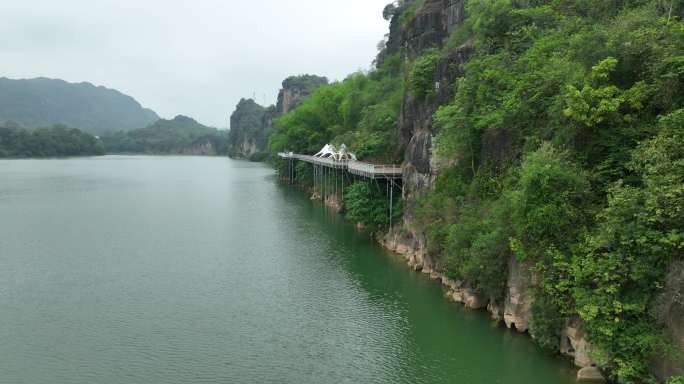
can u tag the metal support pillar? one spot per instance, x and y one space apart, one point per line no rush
391 201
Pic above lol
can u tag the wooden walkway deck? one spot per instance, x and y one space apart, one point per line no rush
358 168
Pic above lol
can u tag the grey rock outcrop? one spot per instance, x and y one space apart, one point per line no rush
251 123
428 29
432 25
295 90
590 375
575 344
248 133
518 300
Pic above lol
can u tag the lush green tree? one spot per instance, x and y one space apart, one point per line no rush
548 205
368 204
623 263
543 138
56 141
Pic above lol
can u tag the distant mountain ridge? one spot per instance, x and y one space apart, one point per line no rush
180 136
54 141
41 102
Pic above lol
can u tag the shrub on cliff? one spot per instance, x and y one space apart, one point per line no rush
623 263
595 211
366 204
421 80
477 250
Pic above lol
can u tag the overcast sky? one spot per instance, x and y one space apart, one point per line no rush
191 57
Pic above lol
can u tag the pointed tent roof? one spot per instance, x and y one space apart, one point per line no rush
330 152
344 153
327 151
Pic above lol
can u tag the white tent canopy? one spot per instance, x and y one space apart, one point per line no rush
330 152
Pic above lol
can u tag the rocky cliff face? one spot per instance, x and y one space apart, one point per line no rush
432 25
518 300
248 134
430 28
251 123
295 89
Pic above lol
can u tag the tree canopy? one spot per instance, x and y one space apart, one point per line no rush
55 141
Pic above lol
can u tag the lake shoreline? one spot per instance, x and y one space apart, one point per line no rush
574 349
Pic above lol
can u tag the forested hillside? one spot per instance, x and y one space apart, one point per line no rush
56 141
182 135
43 102
542 139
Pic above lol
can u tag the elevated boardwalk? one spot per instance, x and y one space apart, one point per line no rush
358 168
330 174
374 171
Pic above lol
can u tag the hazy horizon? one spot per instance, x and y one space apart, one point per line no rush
194 59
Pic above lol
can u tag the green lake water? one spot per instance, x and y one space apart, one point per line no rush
206 270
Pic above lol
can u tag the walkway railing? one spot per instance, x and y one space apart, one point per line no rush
374 170
322 178
330 163
359 168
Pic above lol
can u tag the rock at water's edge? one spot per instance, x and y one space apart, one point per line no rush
590 374
517 309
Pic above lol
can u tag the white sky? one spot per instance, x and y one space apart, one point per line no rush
192 57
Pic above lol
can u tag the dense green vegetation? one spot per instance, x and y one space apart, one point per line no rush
567 152
367 203
56 141
44 102
360 111
182 135
567 132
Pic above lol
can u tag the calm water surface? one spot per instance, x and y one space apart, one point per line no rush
205 270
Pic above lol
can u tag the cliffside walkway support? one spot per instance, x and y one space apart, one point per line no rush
392 174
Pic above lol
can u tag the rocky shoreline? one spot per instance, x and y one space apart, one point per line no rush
514 312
